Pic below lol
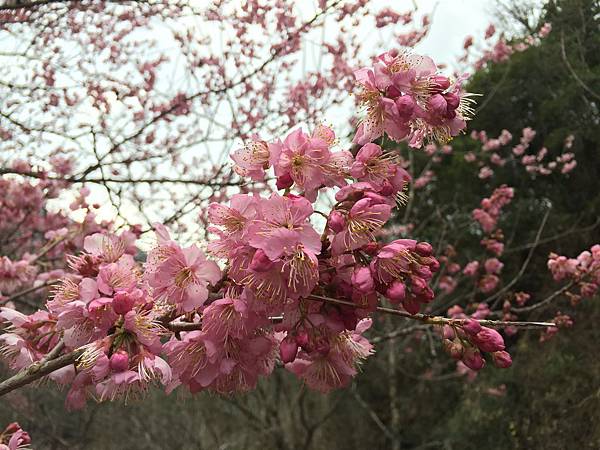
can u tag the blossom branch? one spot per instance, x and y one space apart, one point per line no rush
37 371
436 320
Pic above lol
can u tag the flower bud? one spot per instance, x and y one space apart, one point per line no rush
438 105
405 105
488 340
123 302
454 348
452 100
396 293
440 83
336 221
260 262
362 280
288 349
424 272
12 428
502 359
284 181
119 361
434 265
472 359
417 284
302 339
471 326
448 332
424 249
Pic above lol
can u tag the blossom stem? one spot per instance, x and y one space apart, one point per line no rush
436 320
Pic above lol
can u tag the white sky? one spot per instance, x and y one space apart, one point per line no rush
452 21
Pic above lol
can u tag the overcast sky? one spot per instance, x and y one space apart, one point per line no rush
452 21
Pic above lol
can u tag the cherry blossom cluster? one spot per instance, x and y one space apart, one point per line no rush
502 49
467 343
13 438
534 164
36 235
491 208
583 271
406 98
487 216
182 319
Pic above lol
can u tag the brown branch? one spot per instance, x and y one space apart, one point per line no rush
525 264
37 371
103 180
48 365
545 301
17 297
435 320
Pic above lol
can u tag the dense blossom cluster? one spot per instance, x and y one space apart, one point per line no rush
537 163
583 272
285 283
467 342
487 216
500 50
405 97
35 237
270 300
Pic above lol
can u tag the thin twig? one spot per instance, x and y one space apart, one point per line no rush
435 320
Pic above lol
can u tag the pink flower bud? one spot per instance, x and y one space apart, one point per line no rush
12 428
472 359
123 302
119 361
424 272
405 105
396 292
284 181
417 284
440 83
471 326
488 340
452 100
288 349
362 280
302 339
336 221
448 332
260 262
424 249
502 359
438 104
454 348
434 265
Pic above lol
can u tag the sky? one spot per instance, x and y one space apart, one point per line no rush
452 21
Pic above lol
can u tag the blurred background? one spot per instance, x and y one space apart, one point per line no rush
141 103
